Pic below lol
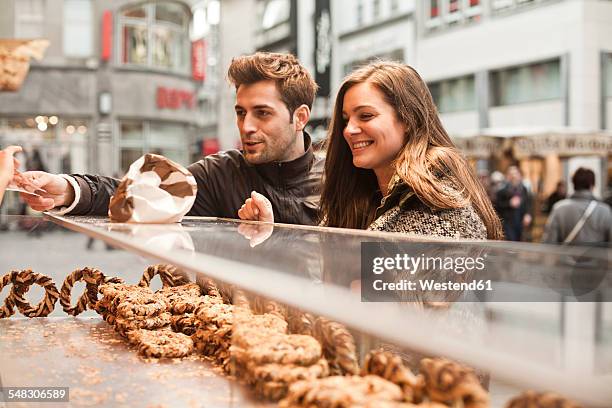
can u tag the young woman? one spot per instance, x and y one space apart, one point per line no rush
391 166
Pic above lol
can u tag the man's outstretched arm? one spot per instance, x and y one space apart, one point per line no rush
75 194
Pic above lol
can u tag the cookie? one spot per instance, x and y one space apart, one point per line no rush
286 349
287 373
342 391
186 324
135 304
123 325
532 399
162 343
447 381
390 367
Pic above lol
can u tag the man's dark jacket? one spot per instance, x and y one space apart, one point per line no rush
225 180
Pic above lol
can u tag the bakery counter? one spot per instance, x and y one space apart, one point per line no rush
545 326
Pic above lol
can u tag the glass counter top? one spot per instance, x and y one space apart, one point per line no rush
547 323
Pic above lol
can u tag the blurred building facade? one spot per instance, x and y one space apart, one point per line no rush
124 77
120 78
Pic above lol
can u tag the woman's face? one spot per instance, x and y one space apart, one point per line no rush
372 129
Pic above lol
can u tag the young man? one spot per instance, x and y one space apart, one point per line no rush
580 219
274 96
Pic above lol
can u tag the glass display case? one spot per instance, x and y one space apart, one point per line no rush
538 318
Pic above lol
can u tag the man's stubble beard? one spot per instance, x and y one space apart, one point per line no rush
271 153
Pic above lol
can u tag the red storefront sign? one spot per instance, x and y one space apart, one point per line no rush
107 35
198 59
169 98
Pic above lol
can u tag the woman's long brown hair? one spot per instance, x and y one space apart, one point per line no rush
349 198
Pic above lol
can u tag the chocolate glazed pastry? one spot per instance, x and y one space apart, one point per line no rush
447 381
21 284
8 306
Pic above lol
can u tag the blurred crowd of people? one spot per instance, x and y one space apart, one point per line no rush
579 218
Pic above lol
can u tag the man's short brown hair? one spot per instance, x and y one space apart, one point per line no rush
294 83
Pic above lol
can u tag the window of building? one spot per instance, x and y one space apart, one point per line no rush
29 18
359 12
444 13
376 9
138 137
503 5
275 12
155 35
608 74
394 6
454 95
78 41
527 83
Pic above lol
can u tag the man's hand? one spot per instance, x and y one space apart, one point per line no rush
57 191
256 208
8 164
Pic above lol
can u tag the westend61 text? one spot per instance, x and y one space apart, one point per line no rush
430 284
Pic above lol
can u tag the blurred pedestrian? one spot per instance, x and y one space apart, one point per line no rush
8 165
580 219
559 194
514 205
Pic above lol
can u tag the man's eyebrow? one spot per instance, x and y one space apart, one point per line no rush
263 106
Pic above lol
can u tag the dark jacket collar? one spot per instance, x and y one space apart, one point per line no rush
279 173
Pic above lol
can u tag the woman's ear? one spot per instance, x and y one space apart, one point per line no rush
301 116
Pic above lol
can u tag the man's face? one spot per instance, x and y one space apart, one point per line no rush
266 130
514 175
